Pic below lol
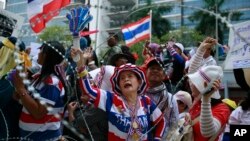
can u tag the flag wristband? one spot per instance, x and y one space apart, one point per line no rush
82 74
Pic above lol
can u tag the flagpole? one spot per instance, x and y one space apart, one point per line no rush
150 26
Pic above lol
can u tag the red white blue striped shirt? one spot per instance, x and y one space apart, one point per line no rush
52 92
119 119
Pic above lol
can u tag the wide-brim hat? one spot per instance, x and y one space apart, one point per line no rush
115 57
206 74
128 67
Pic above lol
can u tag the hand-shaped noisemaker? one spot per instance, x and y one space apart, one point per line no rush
78 20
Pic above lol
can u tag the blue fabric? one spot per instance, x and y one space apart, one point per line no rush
41 136
83 43
6 91
132 33
52 93
30 1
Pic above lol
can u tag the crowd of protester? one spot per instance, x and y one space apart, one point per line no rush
113 98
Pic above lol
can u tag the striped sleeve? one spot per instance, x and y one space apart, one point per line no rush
209 125
171 50
196 60
98 96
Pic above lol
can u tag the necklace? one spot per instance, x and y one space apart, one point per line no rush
135 128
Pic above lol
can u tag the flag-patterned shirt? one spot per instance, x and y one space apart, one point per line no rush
119 119
51 92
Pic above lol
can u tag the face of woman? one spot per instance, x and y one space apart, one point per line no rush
41 57
194 90
128 82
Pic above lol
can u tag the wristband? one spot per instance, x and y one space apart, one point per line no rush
82 74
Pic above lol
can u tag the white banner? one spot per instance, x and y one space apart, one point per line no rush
239 53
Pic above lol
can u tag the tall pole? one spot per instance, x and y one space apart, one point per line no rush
97 23
216 30
150 26
182 14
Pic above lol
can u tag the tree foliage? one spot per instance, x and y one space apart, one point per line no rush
57 33
188 37
206 22
160 26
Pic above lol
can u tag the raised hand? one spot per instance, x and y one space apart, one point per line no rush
215 85
87 53
77 52
78 19
170 44
208 43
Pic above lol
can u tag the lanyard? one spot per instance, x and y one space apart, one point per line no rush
135 127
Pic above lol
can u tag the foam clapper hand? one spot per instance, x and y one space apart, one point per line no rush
78 19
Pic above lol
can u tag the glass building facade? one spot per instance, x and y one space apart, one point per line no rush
175 16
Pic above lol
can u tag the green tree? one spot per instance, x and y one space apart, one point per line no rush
57 33
206 22
160 26
187 36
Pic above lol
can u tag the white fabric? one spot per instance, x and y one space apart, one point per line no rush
212 72
102 77
184 97
209 61
35 7
238 116
180 46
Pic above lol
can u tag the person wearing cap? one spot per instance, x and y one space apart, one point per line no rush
159 94
184 102
207 109
131 114
176 51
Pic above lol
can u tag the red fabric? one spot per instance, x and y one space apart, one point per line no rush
147 36
52 7
29 119
219 111
85 33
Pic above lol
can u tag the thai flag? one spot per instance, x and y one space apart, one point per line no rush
42 11
137 31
